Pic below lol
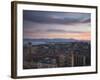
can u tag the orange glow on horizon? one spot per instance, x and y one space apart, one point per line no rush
78 36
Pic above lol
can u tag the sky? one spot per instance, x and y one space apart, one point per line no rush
48 24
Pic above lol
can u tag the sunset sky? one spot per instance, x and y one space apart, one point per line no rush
47 24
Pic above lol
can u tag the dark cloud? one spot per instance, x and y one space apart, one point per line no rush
86 20
55 17
50 31
55 30
62 31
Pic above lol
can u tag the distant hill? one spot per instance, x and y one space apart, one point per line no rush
55 40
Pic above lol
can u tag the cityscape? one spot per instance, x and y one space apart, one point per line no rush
57 54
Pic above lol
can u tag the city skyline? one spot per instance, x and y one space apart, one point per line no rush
48 24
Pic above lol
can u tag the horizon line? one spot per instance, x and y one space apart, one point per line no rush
59 38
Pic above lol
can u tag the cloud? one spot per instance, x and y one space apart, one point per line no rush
62 31
49 17
59 31
85 20
55 30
